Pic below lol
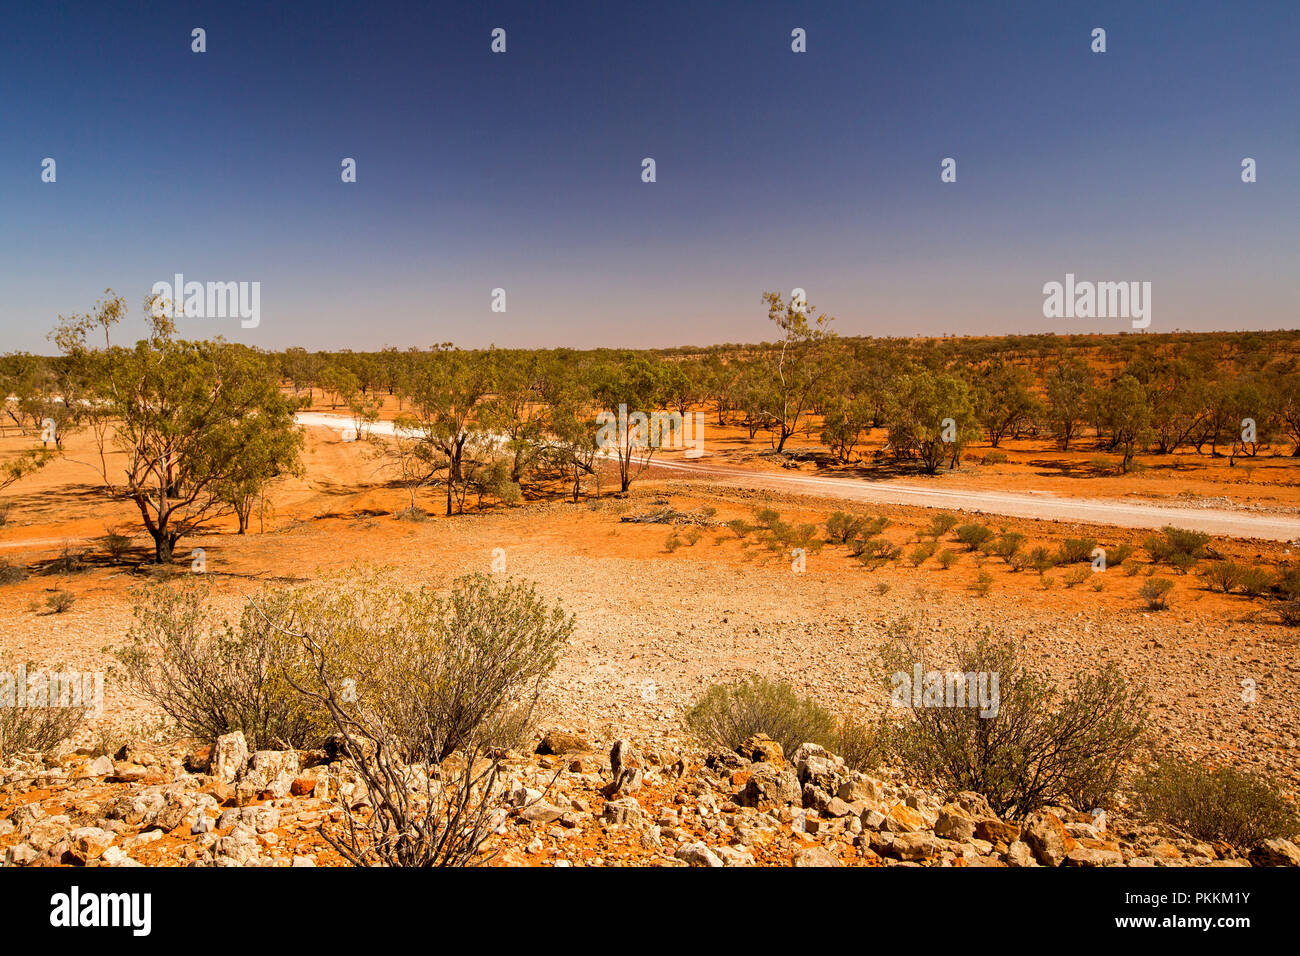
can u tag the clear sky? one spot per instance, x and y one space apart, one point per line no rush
522 170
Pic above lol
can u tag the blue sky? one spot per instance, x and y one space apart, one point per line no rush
522 170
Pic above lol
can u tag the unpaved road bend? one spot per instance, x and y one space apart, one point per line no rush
1039 505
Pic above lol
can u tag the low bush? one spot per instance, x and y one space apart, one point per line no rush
858 743
1077 576
1223 803
726 715
1117 555
1074 550
875 551
59 602
1155 592
941 524
1008 545
1255 581
116 545
973 535
1039 745
1176 546
1041 560
27 725
922 552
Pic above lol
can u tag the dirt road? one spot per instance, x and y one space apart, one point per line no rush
1044 506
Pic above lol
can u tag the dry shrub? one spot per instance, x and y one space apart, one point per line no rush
1220 803
858 743
407 680
213 678
1223 576
918 555
941 524
1155 593
59 601
1177 547
727 715
24 726
1042 745
116 545
12 573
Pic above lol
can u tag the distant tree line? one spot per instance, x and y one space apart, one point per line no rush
193 431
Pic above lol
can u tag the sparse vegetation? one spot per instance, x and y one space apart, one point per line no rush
921 553
59 601
941 524
1215 803
1074 550
726 715
25 726
973 535
1155 592
1042 744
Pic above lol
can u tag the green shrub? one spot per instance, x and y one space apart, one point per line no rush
727 715
740 527
941 524
1176 546
946 559
1255 581
1041 560
1077 576
1074 550
995 456
1287 583
875 551
1237 807
1224 576
922 552
1008 545
1041 745
447 668
983 584
1117 555
973 535
842 528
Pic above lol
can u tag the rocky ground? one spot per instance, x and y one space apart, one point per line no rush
568 804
